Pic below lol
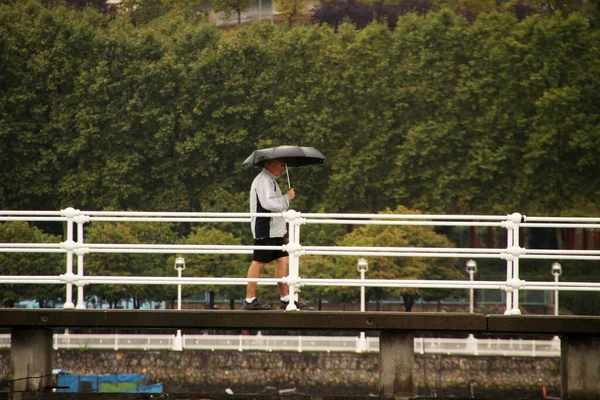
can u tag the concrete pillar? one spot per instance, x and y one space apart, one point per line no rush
580 367
396 360
30 357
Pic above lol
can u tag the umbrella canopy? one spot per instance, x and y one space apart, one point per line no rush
294 156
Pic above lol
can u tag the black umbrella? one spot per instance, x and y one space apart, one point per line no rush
294 156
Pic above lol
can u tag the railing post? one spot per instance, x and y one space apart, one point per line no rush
80 220
515 310
292 273
509 271
294 250
361 343
69 245
177 342
422 345
473 345
513 251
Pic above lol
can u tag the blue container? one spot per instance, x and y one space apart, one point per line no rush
105 383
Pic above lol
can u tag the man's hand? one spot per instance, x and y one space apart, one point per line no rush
291 194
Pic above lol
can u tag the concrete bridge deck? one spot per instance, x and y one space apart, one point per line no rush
31 350
304 320
238 319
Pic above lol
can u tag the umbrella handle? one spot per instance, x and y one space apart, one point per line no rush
287 173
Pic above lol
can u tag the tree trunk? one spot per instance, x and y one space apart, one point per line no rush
571 239
409 301
586 240
472 237
9 304
491 237
377 294
211 300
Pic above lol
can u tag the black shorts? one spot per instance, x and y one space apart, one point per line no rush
266 256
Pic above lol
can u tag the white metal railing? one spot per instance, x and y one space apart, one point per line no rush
470 346
76 248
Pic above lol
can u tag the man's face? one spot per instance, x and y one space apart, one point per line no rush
276 167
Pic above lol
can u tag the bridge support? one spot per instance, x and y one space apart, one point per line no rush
31 359
396 360
580 367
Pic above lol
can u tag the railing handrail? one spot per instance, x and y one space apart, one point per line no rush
76 248
470 346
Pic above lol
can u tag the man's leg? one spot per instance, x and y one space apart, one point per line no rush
281 271
253 272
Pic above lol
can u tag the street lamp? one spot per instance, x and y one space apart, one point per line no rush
362 267
179 266
471 269
556 271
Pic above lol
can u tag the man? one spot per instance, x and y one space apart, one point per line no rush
265 197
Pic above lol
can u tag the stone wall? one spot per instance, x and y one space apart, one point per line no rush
316 373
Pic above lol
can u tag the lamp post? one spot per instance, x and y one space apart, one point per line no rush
556 271
362 267
471 269
179 266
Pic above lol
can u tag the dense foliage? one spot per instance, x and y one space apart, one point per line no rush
441 113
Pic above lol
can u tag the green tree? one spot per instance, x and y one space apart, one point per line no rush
289 9
190 10
396 267
434 170
232 6
440 113
470 8
296 107
48 264
561 147
41 60
369 123
215 265
123 264
141 12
